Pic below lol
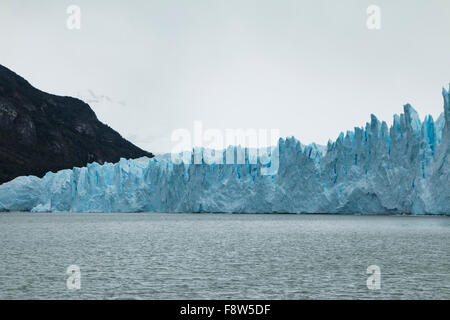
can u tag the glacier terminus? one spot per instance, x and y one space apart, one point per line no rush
376 169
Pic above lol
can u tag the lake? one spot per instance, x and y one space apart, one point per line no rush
223 256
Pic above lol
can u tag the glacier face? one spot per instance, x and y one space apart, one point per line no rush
375 169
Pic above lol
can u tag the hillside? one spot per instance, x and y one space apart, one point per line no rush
41 132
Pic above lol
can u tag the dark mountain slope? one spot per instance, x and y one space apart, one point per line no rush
40 132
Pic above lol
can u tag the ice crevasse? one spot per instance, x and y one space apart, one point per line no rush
374 169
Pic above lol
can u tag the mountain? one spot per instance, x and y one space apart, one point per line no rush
373 169
41 132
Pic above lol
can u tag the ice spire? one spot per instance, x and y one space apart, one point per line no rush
446 96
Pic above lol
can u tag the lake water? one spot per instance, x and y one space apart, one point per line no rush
223 256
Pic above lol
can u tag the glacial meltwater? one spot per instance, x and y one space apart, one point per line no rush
223 256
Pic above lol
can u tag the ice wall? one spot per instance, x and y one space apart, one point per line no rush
374 169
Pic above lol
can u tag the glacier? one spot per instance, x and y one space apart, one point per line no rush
376 169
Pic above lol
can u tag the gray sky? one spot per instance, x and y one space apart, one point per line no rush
309 68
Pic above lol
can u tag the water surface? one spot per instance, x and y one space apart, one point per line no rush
223 256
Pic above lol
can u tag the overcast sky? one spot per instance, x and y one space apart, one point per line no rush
309 68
